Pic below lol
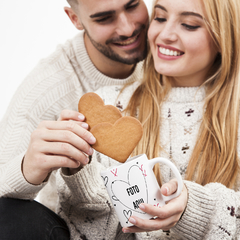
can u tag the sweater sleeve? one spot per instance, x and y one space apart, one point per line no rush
213 212
15 131
13 183
51 87
85 204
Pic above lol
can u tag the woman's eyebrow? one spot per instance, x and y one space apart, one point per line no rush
185 13
191 14
161 7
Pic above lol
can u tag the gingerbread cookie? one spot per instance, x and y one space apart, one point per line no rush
95 111
116 136
119 139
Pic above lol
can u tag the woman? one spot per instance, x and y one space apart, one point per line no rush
192 83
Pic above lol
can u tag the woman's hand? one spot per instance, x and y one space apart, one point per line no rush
167 216
54 144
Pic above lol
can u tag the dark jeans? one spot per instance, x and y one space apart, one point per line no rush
30 220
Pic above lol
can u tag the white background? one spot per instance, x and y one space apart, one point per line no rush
30 30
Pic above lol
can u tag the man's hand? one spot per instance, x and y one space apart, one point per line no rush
55 144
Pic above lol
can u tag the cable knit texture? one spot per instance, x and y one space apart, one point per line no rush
57 83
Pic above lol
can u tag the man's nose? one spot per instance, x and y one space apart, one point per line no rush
125 25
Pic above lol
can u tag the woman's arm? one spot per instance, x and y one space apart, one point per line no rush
212 212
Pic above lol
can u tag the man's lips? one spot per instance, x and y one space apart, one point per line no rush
130 42
127 42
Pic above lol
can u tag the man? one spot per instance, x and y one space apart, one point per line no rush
33 143
114 36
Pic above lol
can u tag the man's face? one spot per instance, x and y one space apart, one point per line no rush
116 28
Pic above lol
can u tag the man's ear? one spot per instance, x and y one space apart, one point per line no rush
73 17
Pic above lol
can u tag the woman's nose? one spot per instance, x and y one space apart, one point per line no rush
168 33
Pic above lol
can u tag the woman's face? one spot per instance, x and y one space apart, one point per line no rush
180 42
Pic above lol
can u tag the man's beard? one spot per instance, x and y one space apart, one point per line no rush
109 53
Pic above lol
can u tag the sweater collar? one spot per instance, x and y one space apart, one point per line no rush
186 94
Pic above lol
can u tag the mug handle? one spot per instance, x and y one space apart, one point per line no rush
151 164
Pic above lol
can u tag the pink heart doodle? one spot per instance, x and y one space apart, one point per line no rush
114 172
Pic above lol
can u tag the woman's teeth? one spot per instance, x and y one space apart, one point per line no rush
127 42
169 52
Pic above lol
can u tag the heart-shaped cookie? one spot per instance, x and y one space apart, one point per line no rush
119 139
95 111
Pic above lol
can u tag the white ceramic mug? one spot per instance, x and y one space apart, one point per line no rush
133 183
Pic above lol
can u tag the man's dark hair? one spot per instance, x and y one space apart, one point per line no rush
73 3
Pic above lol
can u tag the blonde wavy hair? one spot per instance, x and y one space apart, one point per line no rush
214 158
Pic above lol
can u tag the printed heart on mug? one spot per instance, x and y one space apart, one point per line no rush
127 214
133 192
105 180
119 139
95 111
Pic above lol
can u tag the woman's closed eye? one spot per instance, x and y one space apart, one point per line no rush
160 19
190 27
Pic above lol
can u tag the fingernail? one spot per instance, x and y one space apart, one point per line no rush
92 140
86 160
132 220
84 125
126 230
142 207
90 152
167 190
81 117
